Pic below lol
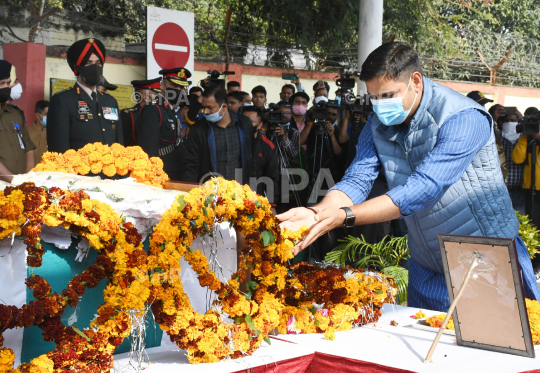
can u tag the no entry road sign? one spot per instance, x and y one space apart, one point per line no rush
169 40
170 46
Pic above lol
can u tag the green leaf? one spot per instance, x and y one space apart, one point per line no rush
162 246
206 227
193 223
248 295
190 249
239 319
258 204
251 325
257 332
208 200
181 202
268 237
251 285
313 310
378 291
251 216
401 278
80 333
204 211
267 340
248 318
317 323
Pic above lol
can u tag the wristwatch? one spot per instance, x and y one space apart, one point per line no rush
349 219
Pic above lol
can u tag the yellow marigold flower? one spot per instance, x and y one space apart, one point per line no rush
95 168
7 358
41 364
109 170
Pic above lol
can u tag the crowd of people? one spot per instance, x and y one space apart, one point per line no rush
292 148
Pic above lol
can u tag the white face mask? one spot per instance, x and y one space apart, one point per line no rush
319 99
16 92
509 131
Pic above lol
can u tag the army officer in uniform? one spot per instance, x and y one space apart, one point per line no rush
145 93
158 127
83 114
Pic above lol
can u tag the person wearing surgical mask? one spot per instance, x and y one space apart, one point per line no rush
506 129
38 129
16 90
438 153
16 147
220 143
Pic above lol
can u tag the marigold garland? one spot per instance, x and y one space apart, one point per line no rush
313 300
120 256
325 300
114 160
206 337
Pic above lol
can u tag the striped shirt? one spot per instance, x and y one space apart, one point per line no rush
458 141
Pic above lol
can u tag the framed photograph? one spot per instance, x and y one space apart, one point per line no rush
491 313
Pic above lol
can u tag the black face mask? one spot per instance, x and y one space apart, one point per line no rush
173 95
91 74
5 94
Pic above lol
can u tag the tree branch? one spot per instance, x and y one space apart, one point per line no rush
12 33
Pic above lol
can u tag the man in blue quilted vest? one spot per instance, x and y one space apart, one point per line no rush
437 150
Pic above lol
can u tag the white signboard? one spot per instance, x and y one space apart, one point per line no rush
169 40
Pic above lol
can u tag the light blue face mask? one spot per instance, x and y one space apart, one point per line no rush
214 117
247 104
338 98
390 110
43 121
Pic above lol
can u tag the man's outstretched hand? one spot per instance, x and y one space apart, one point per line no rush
294 219
318 224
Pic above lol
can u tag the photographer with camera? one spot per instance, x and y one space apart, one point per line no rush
508 138
314 127
299 102
321 88
288 135
527 152
285 138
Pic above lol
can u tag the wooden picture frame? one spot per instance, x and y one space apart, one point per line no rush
491 314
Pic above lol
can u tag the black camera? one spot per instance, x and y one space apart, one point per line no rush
346 80
275 116
529 125
319 112
214 77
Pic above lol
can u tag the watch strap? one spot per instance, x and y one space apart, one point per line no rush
350 219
